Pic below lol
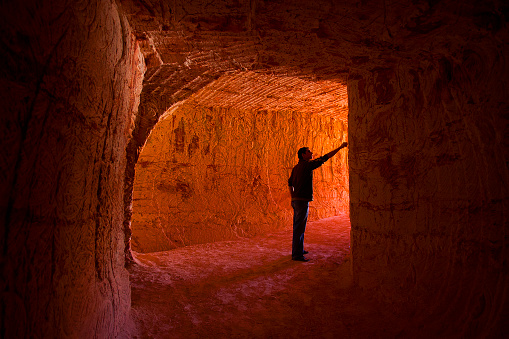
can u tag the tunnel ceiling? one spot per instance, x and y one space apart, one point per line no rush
285 54
257 91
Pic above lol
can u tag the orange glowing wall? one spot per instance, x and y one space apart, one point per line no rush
209 174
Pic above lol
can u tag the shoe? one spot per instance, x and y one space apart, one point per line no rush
305 252
303 258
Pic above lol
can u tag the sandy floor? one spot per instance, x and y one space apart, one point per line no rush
251 288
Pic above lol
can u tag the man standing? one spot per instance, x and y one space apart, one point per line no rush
301 190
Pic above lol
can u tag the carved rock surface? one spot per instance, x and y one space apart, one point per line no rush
427 131
71 73
429 186
213 173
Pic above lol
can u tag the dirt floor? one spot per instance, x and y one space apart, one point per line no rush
251 288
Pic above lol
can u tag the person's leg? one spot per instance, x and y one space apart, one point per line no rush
300 217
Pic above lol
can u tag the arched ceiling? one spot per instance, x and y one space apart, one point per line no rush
251 90
282 54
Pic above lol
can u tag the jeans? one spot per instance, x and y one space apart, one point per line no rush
300 218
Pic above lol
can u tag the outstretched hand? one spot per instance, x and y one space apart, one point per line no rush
333 152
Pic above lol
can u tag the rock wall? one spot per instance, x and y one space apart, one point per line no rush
210 173
428 144
68 89
429 192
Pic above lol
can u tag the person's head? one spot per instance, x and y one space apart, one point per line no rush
304 153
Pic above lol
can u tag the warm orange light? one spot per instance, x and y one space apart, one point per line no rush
209 174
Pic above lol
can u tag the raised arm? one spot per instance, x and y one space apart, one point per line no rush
333 152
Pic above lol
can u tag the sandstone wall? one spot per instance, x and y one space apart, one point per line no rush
428 144
67 91
429 193
210 173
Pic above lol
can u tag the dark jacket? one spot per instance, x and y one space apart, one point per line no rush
302 178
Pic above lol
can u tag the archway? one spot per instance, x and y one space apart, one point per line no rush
215 166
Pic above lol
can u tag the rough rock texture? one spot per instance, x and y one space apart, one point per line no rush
69 74
427 128
428 142
211 173
430 186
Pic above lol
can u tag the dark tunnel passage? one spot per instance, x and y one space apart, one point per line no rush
84 84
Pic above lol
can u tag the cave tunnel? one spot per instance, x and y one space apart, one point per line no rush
84 85
219 173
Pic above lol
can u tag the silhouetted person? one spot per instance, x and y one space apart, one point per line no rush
301 189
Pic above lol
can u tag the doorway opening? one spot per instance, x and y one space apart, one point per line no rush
212 219
215 167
